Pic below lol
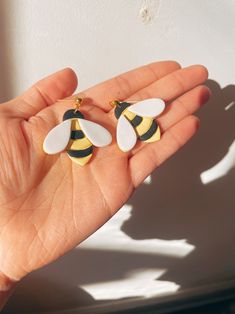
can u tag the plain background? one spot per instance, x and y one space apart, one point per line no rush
175 233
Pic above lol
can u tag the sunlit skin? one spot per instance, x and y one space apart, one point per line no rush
50 204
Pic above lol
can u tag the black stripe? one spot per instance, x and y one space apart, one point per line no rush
72 114
120 108
80 153
150 132
77 134
136 121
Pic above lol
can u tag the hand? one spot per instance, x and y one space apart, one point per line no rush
48 204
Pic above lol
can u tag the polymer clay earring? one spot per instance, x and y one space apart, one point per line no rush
137 121
77 136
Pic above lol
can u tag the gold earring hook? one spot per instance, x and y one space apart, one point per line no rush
114 103
77 102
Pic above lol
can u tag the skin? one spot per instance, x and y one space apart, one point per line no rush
48 204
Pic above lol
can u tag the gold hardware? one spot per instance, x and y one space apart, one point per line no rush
77 102
114 103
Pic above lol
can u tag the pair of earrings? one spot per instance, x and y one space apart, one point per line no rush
78 136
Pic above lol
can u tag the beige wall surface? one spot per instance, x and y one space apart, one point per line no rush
177 231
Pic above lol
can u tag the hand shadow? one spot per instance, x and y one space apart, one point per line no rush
176 205
6 52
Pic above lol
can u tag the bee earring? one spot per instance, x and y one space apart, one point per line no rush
77 136
137 121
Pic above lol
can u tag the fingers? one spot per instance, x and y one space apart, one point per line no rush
174 84
183 106
44 93
152 155
126 84
119 87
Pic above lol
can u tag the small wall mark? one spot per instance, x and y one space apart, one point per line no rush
149 10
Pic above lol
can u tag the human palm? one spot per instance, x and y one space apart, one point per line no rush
48 204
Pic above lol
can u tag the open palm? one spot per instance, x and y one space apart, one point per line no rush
48 204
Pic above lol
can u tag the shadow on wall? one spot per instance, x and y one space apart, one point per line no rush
6 52
176 205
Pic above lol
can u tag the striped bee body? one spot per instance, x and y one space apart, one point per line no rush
146 128
79 147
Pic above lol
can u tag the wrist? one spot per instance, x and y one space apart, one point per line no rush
6 283
7 286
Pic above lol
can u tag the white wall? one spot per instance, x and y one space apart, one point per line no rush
175 229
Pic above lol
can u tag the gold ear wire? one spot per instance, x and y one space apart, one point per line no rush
77 101
114 103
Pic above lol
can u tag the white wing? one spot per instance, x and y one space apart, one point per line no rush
57 139
97 134
148 108
126 136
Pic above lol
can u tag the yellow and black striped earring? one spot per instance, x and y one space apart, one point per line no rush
136 120
76 135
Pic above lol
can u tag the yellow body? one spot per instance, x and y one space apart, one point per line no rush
79 144
144 126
